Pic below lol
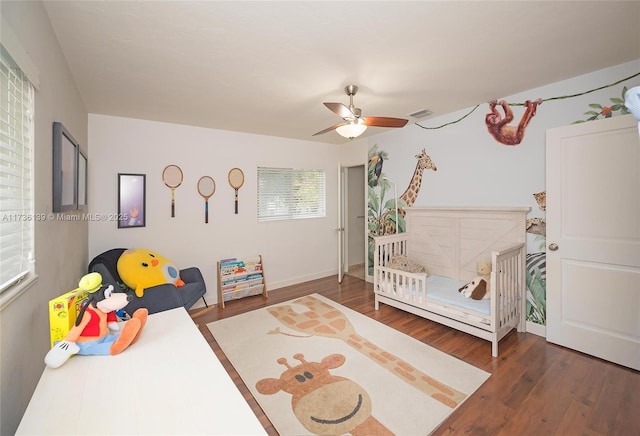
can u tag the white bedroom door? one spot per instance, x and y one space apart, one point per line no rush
340 228
593 238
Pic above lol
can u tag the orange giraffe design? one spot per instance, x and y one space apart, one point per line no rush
324 320
325 404
410 195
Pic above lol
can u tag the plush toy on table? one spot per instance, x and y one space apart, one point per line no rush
141 268
480 287
96 331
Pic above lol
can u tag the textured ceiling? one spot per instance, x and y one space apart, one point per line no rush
266 67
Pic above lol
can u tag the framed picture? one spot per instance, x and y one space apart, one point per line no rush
131 200
69 171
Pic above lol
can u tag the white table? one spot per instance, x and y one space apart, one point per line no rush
169 382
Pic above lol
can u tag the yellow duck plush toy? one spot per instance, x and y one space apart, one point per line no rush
141 268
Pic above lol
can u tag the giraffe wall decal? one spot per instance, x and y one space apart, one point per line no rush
324 403
410 195
325 320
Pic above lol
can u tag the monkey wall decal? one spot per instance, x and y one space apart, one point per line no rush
498 126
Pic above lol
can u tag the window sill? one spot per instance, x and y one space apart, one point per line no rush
15 291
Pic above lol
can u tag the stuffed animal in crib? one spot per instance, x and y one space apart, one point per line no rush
480 287
403 263
96 331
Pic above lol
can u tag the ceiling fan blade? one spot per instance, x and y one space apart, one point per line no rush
328 129
340 109
385 122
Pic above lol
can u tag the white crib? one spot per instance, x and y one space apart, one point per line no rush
449 242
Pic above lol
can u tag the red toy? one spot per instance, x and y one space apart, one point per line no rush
96 331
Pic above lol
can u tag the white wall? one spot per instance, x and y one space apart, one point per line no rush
60 246
293 251
476 170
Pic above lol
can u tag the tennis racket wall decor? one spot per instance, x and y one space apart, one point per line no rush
206 188
172 177
236 180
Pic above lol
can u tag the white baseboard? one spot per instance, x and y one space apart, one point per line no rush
536 329
212 296
300 279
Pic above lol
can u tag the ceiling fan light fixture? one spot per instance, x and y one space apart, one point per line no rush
353 125
352 130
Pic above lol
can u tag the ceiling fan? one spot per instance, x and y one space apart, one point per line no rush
354 124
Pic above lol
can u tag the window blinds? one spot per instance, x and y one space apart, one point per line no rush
286 193
16 163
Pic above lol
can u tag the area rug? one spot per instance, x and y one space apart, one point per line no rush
317 367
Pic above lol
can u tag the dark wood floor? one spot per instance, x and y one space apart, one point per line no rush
536 388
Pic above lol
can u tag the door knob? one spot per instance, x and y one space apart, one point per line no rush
553 246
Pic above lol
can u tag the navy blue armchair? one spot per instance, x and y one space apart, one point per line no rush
156 298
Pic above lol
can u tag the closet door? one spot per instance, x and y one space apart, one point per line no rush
593 238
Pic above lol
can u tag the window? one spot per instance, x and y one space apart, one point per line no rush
16 166
286 193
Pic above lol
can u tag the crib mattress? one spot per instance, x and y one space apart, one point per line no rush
445 290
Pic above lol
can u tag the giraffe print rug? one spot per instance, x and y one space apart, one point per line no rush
317 367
